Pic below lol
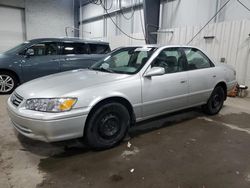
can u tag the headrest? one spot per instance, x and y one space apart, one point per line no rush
171 60
144 60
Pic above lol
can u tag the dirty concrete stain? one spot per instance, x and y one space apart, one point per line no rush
242 119
116 178
128 153
17 168
239 122
200 156
176 150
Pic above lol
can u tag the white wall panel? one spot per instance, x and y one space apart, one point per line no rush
111 28
125 24
93 30
106 30
120 40
127 3
111 5
176 13
13 3
91 10
231 42
48 18
12 29
138 22
179 13
234 11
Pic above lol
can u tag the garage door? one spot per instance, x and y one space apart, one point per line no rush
12 27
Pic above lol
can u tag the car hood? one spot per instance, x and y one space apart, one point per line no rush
61 84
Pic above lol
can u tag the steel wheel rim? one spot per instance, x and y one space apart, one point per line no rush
216 102
6 83
109 126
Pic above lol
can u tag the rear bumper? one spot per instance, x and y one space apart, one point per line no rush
48 130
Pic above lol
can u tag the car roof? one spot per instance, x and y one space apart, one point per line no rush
159 46
67 39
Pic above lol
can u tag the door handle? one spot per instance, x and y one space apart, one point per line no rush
55 60
214 76
183 81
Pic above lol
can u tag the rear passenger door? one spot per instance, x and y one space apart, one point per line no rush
75 55
201 76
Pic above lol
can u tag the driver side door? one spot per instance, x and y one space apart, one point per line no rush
43 61
167 92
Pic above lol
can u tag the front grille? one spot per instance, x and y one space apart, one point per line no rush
16 99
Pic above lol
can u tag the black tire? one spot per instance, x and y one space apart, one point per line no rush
107 126
215 102
10 79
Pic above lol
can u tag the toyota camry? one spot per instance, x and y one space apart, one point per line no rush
131 84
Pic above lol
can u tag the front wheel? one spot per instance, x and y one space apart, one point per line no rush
8 82
215 101
107 126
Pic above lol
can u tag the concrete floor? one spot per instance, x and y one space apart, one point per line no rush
181 150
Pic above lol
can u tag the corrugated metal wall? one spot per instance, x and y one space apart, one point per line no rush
232 42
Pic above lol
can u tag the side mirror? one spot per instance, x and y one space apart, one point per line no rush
30 52
155 71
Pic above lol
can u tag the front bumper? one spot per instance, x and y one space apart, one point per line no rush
47 127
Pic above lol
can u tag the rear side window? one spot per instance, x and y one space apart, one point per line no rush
196 59
99 48
75 48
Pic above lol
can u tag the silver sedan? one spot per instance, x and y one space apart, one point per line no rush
130 85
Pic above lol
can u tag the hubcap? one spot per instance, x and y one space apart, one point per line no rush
109 126
6 83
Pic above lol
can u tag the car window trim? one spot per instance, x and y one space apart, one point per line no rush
22 53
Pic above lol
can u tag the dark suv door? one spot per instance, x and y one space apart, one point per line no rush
75 55
43 60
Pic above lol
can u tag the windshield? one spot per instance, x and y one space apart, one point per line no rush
16 48
125 60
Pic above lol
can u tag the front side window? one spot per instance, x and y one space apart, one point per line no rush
42 49
75 48
126 60
171 59
196 59
99 48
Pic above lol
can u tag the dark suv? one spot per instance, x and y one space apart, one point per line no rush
40 57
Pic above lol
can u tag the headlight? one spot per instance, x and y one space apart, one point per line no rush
50 105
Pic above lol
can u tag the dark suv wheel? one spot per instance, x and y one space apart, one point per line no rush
215 101
107 126
8 82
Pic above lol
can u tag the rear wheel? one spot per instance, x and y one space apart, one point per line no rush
8 82
215 101
107 126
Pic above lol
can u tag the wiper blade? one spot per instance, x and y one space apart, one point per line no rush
102 69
